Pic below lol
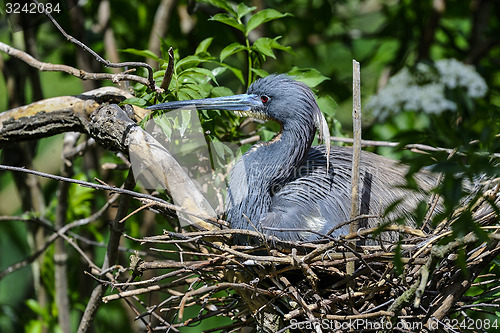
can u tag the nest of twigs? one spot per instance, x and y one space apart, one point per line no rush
335 285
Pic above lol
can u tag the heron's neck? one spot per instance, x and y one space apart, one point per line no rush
263 170
286 152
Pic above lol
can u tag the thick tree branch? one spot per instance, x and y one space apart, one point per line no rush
57 115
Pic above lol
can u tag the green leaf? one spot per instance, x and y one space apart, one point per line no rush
218 70
203 89
261 17
142 53
266 45
37 308
231 49
205 114
260 72
189 61
310 76
182 96
397 260
228 20
278 46
205 73
80 198
221 91
266 135
191 92
159 74
175 122
243 10
223 4
135 101
186 119
163 122
34 326
237 72
328 105
204 45
220 148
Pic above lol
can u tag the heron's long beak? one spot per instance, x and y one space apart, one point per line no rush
244 104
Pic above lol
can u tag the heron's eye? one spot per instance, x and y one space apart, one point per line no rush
264 98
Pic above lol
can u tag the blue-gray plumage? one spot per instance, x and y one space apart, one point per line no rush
283 187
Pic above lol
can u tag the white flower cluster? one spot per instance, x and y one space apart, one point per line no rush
423 88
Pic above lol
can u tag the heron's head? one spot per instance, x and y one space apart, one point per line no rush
275 97
284 100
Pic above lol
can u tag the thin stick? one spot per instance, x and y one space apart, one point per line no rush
222 286
356 154
137 210
145 198
414 147
53 237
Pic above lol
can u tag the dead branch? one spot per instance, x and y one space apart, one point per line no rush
356 153
150 81
414 147
57 115
167 78
79 73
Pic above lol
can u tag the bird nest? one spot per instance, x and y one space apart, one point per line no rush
416 284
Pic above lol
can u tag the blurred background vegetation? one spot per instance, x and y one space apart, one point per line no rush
316 40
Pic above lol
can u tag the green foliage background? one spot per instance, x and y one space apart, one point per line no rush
226 47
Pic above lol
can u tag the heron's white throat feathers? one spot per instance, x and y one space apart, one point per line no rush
256 115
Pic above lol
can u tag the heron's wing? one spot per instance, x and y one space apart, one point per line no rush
313 204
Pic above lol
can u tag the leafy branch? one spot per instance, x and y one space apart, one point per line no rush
263 47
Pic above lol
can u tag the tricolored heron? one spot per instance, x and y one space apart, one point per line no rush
283 187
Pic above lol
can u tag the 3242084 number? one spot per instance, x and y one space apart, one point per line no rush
32 8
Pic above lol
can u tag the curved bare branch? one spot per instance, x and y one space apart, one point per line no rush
81 74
